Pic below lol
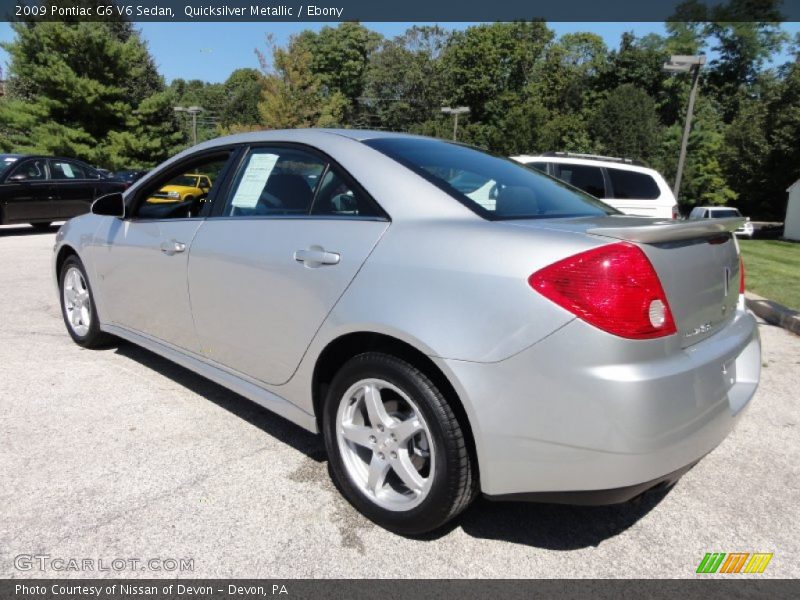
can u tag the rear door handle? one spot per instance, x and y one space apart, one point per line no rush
172 247
316 256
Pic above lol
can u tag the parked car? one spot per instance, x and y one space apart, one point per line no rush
746 229
184 188
625 184
129 176
42 189
545 347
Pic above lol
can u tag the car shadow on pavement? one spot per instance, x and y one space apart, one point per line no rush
22 230
555 526
547 526
270 423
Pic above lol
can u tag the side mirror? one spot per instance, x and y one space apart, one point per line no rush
18 178
110 205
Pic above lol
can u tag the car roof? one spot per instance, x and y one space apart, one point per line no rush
590 162
301 135
20 156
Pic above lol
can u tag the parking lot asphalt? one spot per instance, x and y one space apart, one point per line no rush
119 454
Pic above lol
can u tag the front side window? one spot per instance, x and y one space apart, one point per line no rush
493 187
275 182
183 194
30 170
632 185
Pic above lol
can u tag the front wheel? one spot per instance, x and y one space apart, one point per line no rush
397 451
77 305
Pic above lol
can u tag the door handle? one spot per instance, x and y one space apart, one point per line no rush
172 247
316 256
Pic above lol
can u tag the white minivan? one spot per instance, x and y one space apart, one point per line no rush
625 184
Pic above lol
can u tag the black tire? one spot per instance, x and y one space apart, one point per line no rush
94 338
455 483
41 226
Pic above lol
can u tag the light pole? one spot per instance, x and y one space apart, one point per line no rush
194 111
458 110
685 64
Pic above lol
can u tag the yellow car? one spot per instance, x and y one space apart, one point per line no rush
185 188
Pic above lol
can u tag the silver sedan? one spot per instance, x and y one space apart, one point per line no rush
452 322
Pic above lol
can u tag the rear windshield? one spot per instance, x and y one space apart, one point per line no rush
495 188
724 214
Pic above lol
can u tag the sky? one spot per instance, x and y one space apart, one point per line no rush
211 51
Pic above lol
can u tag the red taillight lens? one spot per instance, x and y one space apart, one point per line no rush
675 213
741 275
614 288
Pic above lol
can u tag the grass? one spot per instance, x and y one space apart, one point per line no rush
772 270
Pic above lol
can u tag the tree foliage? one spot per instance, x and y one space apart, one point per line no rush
72 85
92 91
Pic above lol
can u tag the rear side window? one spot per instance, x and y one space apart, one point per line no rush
495 188
631 185
589 179
65 169
275 182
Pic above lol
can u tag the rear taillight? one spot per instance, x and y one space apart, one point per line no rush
675 213
741 275
614 288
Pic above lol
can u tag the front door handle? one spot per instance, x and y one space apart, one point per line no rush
316 256
172 247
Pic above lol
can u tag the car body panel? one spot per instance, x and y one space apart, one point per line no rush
248 266
134 271
552 403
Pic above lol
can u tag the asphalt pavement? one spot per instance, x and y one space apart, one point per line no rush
120 455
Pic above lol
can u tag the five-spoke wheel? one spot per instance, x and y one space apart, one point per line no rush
397 450
385 444
77 305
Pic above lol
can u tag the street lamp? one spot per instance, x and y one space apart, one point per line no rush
458 110
679 63
194 111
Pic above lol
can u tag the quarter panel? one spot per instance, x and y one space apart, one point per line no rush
459 287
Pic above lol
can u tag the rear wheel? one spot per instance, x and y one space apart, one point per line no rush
77 305
397 451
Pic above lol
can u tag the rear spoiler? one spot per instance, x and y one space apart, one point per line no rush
670 231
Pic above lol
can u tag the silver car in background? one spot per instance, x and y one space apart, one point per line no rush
530 342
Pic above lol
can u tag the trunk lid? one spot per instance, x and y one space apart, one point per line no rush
696 261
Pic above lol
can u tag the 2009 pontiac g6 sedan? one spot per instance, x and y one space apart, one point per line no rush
452 322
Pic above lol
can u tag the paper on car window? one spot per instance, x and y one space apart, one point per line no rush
254 179
67 168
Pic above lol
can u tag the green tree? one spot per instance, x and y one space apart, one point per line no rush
293 95
626 124
339 59
72 84
405 82
242 94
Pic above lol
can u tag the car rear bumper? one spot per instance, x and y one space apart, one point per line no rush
584 411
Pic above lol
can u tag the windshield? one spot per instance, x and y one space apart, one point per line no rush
5 162
495 188
185 181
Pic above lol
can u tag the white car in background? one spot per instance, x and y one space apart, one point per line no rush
625 184
723 212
